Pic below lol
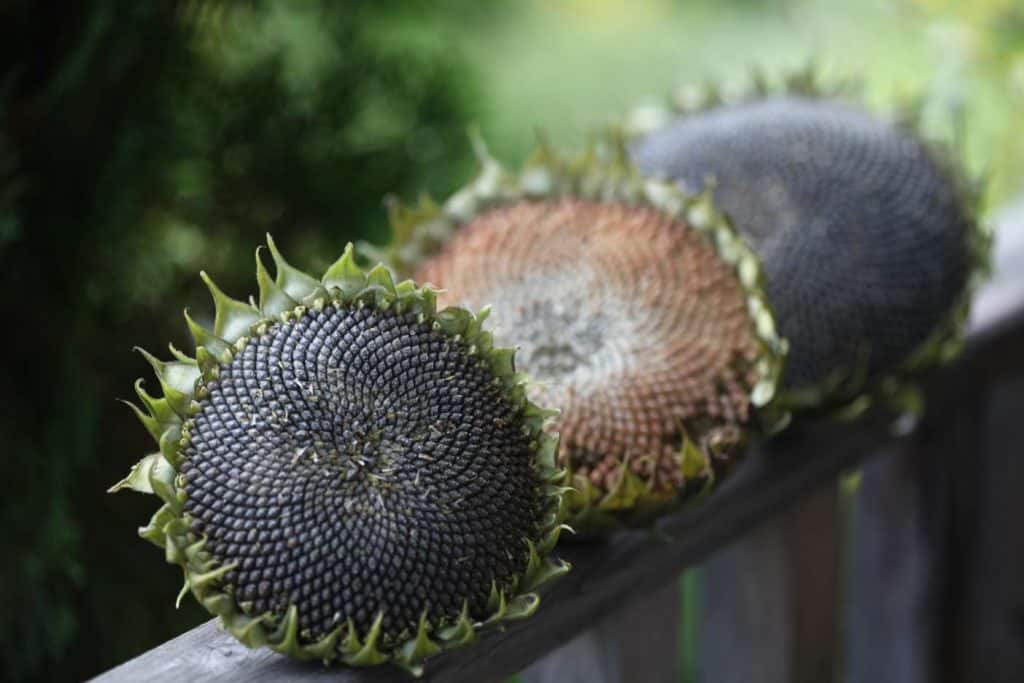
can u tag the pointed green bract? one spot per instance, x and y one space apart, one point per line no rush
285 297
274 300
297 284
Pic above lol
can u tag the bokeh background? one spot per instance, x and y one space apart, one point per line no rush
143 141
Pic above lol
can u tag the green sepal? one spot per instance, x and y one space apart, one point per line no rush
208 363
380 288
177 380
496 603
221 605
250 631
475 328
176 536
345 275
427 301
193 552
627 490
154 532
693 462
454 321
201 582
148 421
533 560
180 355
503 362
549 541
170 444
294 282
368 654
182 593
380 277
543 571
416 650
326 647
138 476
273 297
162 477
461 633
204 339
160 410
232 317
522 606
285 638
547 459
350 644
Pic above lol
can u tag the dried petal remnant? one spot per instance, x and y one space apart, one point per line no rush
628 319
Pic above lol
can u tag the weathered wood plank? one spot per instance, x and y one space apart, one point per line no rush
745 625
590 657
897 570
933 532
773 596
985 630
647 631
608 574
637 642
813 542
935 590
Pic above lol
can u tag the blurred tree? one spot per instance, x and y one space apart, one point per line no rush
140 142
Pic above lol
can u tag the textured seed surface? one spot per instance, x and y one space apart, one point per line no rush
627 319
861 233
355 462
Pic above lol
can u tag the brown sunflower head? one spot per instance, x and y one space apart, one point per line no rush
634 308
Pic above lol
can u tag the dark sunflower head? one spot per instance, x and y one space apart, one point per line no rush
350 473
635 308
868 237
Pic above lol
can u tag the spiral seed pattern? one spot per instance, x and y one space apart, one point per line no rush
354 462
627 319
862 235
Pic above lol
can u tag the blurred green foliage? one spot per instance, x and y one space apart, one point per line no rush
572 65
143 141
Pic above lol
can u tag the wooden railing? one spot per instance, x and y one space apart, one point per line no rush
928 511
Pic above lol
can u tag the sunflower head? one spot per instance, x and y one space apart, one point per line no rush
348 472
868 233
636 308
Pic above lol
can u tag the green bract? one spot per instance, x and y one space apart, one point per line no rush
492 220
348 473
